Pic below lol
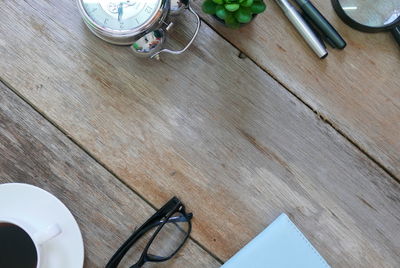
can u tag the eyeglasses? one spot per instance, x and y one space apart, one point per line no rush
165 233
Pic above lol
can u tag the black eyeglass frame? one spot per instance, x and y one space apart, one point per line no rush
160 218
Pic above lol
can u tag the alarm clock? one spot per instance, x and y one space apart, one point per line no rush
142 24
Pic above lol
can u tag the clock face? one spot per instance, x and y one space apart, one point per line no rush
122 15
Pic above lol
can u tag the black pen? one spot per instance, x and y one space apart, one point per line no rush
320 21
317 31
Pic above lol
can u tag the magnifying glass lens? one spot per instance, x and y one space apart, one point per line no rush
372 13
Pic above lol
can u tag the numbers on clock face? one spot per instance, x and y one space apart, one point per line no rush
120 14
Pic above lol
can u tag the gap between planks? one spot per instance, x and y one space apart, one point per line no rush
240 55
9 87
318 114
266 71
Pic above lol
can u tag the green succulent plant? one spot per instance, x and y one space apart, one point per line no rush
234 12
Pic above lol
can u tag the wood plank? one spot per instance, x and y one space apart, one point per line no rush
236 146
35 152
356 90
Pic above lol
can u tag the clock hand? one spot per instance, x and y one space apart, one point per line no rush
120 11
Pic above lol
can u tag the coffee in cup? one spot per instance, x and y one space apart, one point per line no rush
20 244
17 248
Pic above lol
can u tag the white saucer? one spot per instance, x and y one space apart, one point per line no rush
40 209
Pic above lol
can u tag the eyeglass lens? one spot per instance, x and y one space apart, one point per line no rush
171 236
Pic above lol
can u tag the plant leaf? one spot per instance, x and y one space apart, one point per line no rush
243 15
232 7
258 7
231 21
209 7
221 12
247 3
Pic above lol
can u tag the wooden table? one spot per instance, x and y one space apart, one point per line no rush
238 140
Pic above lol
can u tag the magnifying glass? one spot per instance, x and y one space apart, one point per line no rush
370 15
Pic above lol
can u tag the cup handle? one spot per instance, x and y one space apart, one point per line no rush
47 234
176 52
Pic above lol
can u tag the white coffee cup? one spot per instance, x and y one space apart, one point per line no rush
39 237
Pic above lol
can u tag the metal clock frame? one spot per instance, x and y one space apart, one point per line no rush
126 37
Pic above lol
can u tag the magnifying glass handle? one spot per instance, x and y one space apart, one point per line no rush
396 33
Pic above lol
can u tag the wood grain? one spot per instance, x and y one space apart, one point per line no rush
35 152
208 126
357 90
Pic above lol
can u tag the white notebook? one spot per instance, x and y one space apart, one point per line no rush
280 245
